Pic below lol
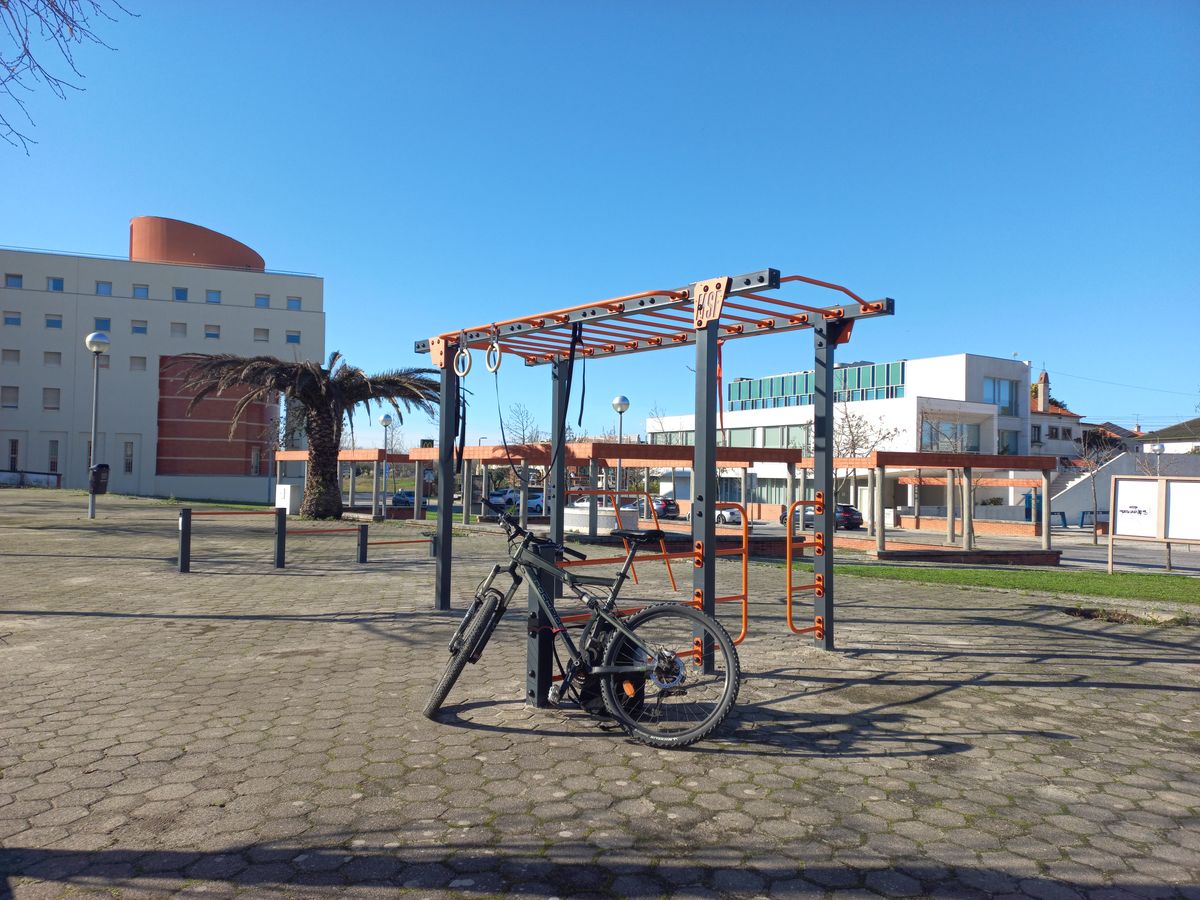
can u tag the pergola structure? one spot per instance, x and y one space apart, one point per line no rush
703 314
373 456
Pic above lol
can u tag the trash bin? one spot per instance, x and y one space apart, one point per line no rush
98 479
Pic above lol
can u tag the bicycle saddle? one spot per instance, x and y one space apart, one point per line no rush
638 535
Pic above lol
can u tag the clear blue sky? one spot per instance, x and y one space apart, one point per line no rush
1022 177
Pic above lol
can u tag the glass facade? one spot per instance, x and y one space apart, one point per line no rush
871 381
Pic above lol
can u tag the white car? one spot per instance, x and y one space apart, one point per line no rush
537 503
728 516
505 498
605 502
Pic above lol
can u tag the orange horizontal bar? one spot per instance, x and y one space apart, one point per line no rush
825 284
381 543
319 530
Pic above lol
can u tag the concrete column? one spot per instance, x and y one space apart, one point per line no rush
485 487
968 511
1046 510
419 490
376 512
869 512
880 526
803 487
468 479
743 492
353 472
790 496
593 483
949 506
525 493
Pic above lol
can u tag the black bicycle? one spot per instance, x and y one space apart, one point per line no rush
668 674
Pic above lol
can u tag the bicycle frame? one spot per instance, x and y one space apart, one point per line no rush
603 611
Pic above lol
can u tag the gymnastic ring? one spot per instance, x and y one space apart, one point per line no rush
462 362
493 353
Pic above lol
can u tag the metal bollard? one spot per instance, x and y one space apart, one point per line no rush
362 543
433 546
280 536
185 539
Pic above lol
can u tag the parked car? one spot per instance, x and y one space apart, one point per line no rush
505 497
403 498
605 502
537 503
665 507
728 516
844 516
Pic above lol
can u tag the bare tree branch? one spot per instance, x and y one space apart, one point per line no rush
33 31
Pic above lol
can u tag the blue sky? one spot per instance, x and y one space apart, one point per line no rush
1020 177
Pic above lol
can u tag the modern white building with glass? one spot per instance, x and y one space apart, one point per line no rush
961 403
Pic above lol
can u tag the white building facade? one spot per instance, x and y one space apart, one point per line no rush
152 309
961 403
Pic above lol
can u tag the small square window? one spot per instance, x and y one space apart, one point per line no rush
1066 433
51 398
139 326
179 294
14 281
51 358
103 360
137 364
179 329
104 288
54 284
262 335
9 396
53 321
10 357
293 337
262 301
12 317
141 292
103 323
212 296
293 302
212 332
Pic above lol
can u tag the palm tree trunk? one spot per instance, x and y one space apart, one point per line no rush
322 489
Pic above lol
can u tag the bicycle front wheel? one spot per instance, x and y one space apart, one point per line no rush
472 634
690 686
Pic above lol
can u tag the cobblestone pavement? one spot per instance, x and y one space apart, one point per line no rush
245 731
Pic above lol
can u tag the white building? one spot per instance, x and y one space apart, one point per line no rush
961 403
184 289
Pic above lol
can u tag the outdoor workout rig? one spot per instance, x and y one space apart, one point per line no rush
704 313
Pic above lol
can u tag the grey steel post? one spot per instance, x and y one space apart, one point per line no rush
555 499
445 520
376 512
1046 510
185 539
280 536
593 484
539 670
826 333
524 514
92 455
353 479
362 542
468 483
704 470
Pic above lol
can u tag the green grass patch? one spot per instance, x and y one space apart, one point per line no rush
1118 586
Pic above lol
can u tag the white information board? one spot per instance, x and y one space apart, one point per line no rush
1183 510
1135 510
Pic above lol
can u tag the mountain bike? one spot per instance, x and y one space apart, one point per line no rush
667 674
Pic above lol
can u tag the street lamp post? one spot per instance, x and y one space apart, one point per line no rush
386 421
620 403
1157 450
97 342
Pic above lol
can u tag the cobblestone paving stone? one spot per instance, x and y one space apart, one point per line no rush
242 731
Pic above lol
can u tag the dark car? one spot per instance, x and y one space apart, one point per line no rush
844 516
403 498
665 507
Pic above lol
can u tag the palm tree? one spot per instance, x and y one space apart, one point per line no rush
328 395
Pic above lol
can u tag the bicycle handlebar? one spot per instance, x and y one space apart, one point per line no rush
512 526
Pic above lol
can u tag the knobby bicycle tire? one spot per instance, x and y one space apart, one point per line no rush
677 703
475 628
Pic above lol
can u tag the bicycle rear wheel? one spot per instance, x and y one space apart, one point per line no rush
677 702
470 639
